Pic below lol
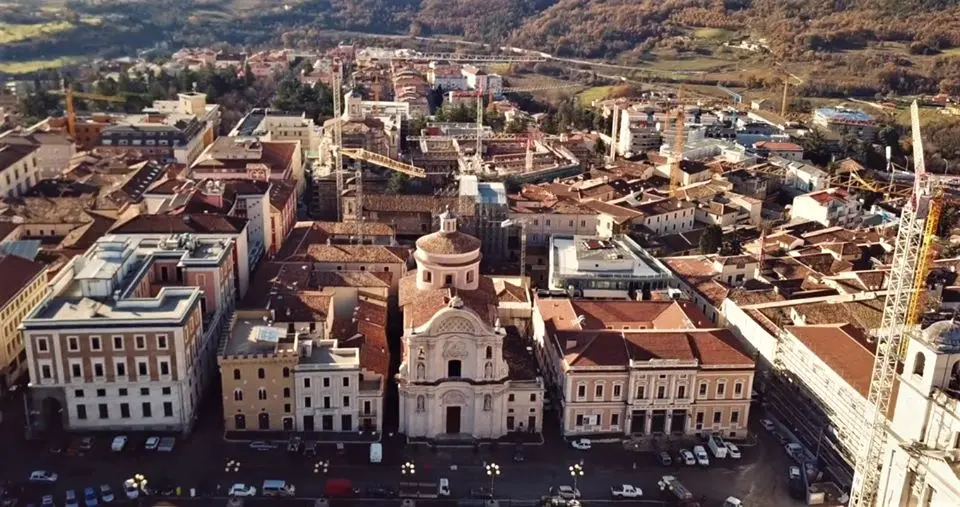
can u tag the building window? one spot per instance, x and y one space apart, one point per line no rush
95 343
346 401
78 393
45 371
641 392
702 389
699 420
141 368
237 395
98 370
487 403
681 392
121 369
469 276
236 374
448 280
510 423
721 388
167 409
101 393
617 390
326 402
661 392
261 373
42 345
162 341
306 383
286 372
367 407
122 391
140 342
286 392
420 404
918 363
240 422
144 391
261 394
326 381
581 391
489 352
117 343
75 370
307 402
533 397
104 411
287 408
421 371
453 368
427 276
598 391
165 391
738 389
614 420
735 417
81 412
164 368
73 343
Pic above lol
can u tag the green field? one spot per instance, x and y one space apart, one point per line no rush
16 33
33 65
596 93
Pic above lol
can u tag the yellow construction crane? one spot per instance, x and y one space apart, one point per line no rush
384 161
787 76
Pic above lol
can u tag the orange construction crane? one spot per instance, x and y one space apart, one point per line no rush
69 95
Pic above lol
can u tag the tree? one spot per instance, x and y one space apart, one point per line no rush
711 240
815 147
397 184
516 126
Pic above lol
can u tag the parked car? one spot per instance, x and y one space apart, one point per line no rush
130 489
582 444
664 458
732 501
260 445
240 489
166 444
70 498
86 444
119 442
626 491
106 493
43 476
793 473
152 443
47 500
768 424
794 450
310 448
568 492
701 454
90 497
687 457
733 452
294 444
783 439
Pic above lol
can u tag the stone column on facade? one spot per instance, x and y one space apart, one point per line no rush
647 422
667 422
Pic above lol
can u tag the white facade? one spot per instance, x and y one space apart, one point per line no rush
540 226
829 207
327 386
17 177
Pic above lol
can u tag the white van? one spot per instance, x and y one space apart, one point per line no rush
376 452
277 488
717 447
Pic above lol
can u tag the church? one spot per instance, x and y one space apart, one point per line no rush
462 375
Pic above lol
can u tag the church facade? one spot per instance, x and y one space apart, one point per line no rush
462 374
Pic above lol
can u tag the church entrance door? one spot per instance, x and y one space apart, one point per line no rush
453 420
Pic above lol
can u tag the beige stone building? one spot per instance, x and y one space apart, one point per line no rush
642 368
462 375
23 283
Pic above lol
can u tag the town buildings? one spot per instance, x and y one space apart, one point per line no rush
24 284
845 121
127 336
833 206
592 267
19 169
642 368
462 375
53 153
252 159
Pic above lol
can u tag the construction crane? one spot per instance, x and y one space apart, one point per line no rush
491 136
678 142
542 88
459 57
383 161
786 89
916 231
335 85
615 133
479 149
69 95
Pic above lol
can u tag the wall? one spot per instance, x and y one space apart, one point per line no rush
13 358
277 385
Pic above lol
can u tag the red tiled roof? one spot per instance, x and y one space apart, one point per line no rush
171 224
844 348
15 273
717 348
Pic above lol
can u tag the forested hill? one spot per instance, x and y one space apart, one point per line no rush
581 28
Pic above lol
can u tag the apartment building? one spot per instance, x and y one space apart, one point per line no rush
54 149
830 207
23 284
642 368
283 214
127 337
594 267
273 125
544 214
252 159
19 169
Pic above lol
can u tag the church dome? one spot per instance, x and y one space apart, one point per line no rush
448 240
943 334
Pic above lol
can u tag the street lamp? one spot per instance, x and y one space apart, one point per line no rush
576 471
139 482
321 466
408 468
493 470
232 466
522 223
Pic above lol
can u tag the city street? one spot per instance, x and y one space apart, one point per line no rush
201 462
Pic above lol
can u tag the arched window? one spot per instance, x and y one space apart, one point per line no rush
237 395
261 394
240 422
489 352
261 373
454 368
286 372
919 361
421 354
236 374
487 402
421 402
421 371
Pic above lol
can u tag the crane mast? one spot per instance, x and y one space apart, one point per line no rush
338 135
898 309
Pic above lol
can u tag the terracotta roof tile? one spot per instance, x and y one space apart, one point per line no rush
448 243
167 224
419 306
15 273
373 254
844 348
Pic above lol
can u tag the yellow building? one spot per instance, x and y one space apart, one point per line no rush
23 284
